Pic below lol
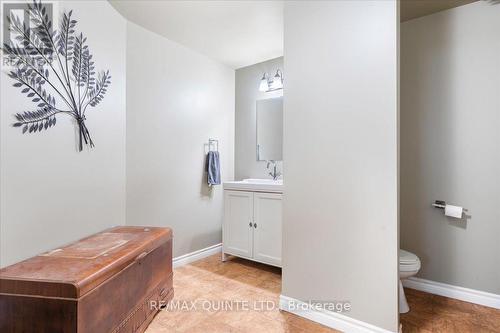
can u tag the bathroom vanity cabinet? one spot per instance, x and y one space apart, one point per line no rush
252 224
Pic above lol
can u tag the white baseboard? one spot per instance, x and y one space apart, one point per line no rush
448 290
196 255
333 320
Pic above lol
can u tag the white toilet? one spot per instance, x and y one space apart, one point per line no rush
409 265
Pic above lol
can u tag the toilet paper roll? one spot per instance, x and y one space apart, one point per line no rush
453 211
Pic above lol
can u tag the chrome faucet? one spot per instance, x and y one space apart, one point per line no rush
274 173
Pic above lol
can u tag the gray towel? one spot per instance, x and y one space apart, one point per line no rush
213 168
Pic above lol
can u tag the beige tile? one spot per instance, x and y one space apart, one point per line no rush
487 317
432 313
446 324
307 325
239 280
209 326
256 322
270 285
411 328
175 321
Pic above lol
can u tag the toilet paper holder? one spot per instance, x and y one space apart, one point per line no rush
439 204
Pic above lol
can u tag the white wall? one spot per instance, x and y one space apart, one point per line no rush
450 144
340 229
176 100
247 94
50 193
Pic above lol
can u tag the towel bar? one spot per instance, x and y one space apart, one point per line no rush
212 142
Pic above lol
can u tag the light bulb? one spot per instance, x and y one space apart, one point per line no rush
264 85
277 81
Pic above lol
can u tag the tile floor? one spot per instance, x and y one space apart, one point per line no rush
204 288
237 282
437 314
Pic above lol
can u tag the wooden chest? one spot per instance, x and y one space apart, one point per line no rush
109 282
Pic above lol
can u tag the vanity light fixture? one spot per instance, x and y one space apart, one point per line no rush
277 81
267 84
264 84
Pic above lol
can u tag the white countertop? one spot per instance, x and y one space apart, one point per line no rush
255 185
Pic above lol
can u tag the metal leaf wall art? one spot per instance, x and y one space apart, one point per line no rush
55 70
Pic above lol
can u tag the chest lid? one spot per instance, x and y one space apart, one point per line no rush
73 270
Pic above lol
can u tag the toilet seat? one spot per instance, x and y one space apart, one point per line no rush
408 262
407 257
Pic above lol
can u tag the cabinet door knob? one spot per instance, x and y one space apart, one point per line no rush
250 224
255 225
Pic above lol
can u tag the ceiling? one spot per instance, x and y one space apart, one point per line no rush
411 9
236 33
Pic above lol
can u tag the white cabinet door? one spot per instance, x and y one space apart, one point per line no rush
267 228
238 223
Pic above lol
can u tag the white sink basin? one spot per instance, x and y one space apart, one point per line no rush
263 181
256 185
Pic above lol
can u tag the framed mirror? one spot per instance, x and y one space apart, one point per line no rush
270 129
